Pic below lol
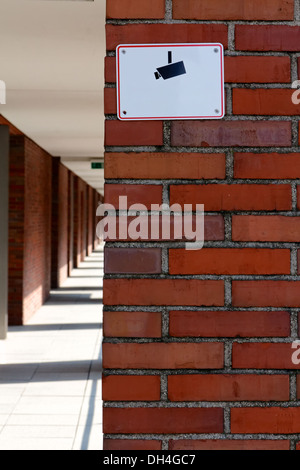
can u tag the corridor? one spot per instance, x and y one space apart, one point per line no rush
50 369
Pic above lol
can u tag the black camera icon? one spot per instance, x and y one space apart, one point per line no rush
171 70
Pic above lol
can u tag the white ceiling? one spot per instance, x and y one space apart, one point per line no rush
52 61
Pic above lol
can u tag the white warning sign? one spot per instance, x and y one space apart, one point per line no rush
170 81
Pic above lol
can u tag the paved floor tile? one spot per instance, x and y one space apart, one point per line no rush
12 443
3 419
42 420
71 388
50 370
43 432
88 440
43 405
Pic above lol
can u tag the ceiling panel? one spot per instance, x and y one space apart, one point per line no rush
51 59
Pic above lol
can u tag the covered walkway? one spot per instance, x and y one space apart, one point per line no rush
50 369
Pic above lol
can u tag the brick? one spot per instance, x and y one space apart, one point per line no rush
163 292
231 133
163 356
267 38
263 356
124 9
132 324
229 444
165 166
135 193
131 444
164 33
273 228
228 387
272 420
229 324
131 388
269 10
257 69
229 261
118 133
266 293
213 228
298 446
267 165
110 101
261 102
162 420
225 197
110 69
132 260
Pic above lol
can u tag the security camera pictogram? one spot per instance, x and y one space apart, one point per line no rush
171 70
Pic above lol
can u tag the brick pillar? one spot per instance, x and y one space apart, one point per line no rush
60 223
201 342
77 223
16 229
29 228
84 218
71 222
90 219
4 201
80 221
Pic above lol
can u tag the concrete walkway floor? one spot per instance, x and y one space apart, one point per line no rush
50 370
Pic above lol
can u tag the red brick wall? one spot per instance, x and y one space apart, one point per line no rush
60 223
91 215
77 223
16 229
84 218
71 184
197 348
37 230
80 221
30 229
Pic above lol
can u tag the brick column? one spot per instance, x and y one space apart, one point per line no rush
198 351
77 223
4 190
60 223
91 216
29 228
71 222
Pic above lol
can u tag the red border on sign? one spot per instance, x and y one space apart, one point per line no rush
169 117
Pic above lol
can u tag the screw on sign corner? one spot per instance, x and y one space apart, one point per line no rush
2 92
